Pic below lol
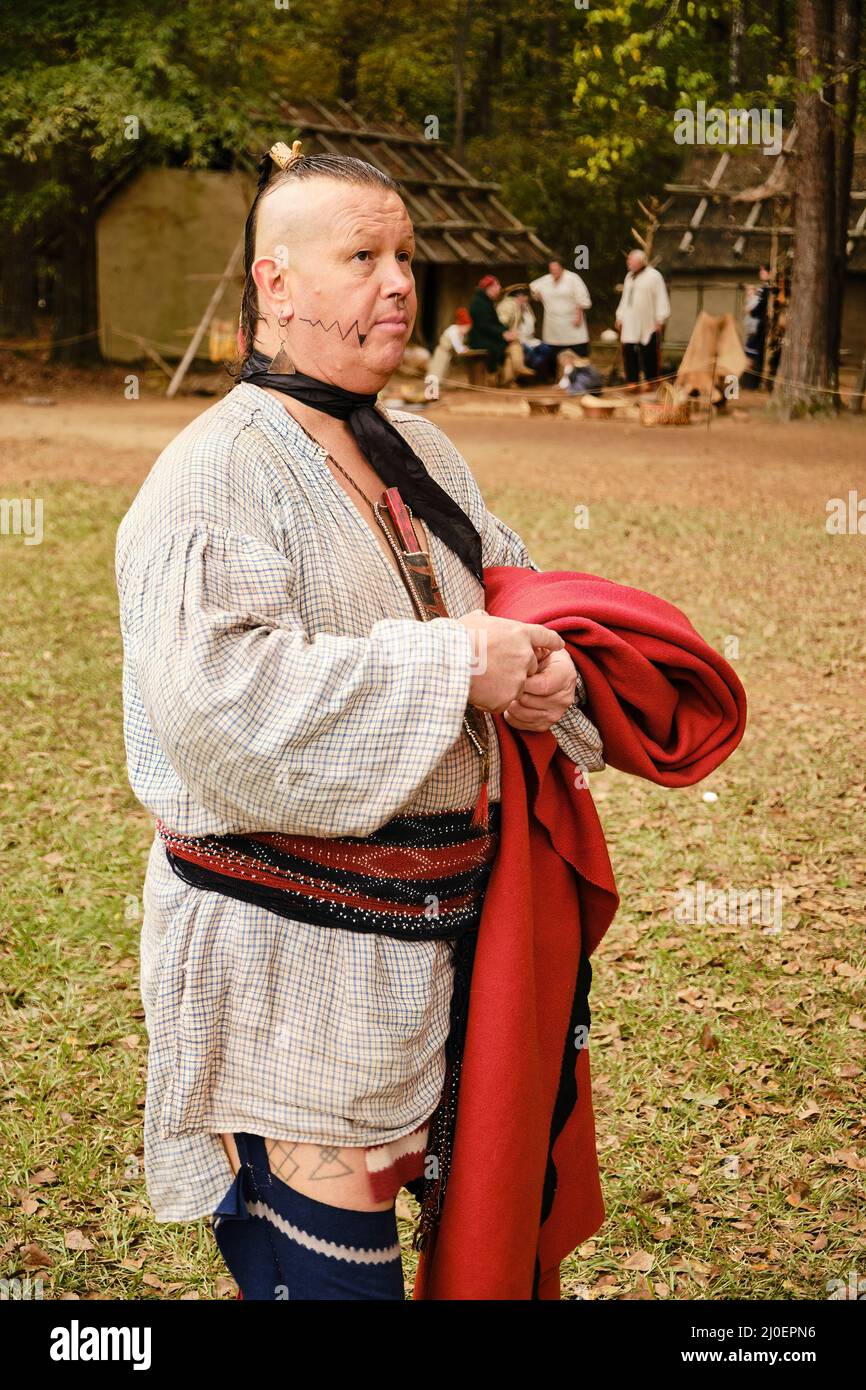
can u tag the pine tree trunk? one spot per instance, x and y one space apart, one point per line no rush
18 292
805 368
17 283
76 311
554 45
461 43
849 17
735 48
481 119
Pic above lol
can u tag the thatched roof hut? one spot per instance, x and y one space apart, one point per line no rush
166 236
731 212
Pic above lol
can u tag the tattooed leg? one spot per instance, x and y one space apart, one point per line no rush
337 1176
279 1243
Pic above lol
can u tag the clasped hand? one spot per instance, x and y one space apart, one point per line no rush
546 695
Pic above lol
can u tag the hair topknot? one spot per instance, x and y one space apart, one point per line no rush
278 159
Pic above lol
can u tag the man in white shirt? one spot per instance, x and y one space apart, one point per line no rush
565 298
643 311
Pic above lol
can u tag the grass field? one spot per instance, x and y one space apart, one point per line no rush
727 1059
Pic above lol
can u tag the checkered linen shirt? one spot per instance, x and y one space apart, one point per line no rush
276 678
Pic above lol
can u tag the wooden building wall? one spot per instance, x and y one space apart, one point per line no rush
162 242
723 292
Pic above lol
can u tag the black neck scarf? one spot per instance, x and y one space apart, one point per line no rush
385 449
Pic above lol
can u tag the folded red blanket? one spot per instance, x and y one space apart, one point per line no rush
669 707
524 1187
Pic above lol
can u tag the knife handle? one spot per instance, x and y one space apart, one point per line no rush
401 519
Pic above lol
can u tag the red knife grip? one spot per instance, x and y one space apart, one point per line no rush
401 519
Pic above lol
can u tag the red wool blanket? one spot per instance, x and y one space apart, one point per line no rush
524 1186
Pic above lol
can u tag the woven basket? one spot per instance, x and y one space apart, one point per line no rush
222 345
669 409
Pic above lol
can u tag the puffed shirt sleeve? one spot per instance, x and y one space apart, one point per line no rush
581 294
271 728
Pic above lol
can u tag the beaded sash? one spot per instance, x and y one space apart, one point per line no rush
418 876
422 877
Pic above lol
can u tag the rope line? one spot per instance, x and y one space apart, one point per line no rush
46 344
668 376
519 394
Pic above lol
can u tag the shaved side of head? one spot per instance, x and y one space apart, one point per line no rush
294 212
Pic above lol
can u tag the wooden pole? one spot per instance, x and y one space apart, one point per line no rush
206 317
770 316
856 402
151 352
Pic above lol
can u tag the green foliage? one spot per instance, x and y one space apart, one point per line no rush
74 75
572 110
639 61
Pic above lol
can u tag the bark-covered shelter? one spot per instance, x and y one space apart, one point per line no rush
730 212
167 237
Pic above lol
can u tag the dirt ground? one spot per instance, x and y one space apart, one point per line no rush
93 434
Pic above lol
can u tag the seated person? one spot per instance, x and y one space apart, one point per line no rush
452 341
514 312
488 333
579 376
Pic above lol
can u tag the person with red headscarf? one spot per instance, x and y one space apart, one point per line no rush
487 332
452 341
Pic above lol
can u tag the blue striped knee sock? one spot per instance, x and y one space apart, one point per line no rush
280 1244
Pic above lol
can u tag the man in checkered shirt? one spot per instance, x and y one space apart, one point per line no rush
276 678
